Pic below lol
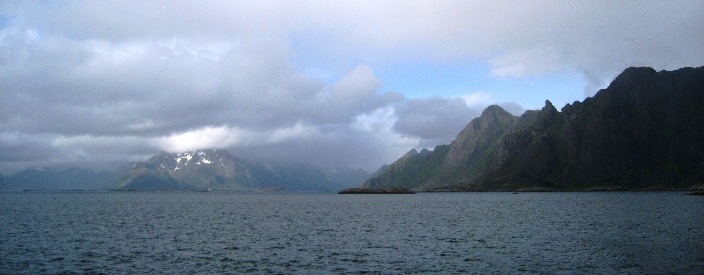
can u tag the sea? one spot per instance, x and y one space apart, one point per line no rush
322 233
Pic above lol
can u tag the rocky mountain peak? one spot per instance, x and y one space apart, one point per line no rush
633 76
479 134
493 110
549 107
424 152
411 153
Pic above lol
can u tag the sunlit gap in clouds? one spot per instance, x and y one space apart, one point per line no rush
222 137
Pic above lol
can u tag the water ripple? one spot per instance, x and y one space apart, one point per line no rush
110 232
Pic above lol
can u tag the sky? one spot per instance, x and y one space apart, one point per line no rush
357 84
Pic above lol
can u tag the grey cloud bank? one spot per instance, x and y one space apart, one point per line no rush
101 83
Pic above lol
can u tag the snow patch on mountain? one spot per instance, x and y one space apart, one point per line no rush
204 160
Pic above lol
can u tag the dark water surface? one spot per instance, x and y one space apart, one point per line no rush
184 233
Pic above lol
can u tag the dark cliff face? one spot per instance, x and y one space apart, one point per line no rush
646 130
527 151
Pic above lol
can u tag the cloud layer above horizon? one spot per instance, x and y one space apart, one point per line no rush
100 83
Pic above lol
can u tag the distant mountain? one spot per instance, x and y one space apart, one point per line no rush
200 169
66 179
219 170
645 131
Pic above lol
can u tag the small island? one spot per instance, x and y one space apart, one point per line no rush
394 190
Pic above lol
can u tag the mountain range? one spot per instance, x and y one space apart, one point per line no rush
217 169
207 169
644 131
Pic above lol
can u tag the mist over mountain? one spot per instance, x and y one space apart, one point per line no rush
213 169
644 131
60 179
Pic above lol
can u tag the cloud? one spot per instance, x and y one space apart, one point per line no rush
207 137
595 38
513 108
223 137
599 38
21 150
113 81
477 99
434 120
114 102
366 143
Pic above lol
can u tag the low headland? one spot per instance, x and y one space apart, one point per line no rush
394 190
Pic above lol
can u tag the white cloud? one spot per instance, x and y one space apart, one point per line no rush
206 137
297 131
222 137
389 144
379 120
359 83
477 99
527 62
